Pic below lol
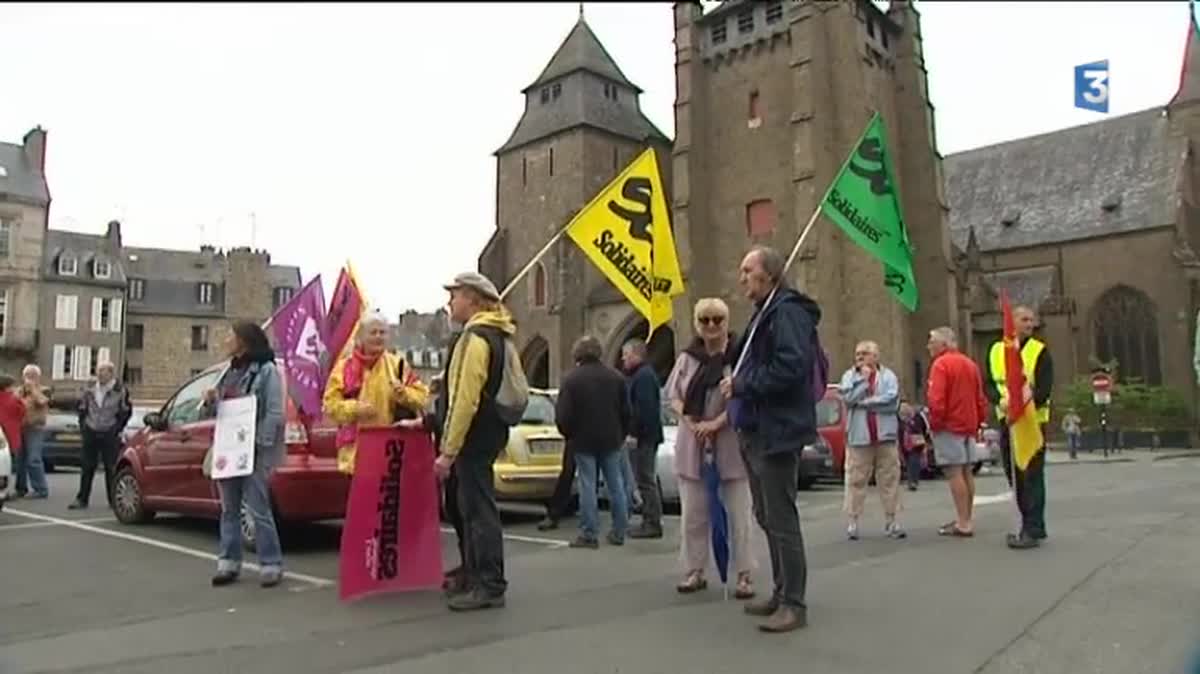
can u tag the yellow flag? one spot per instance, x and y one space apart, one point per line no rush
626 232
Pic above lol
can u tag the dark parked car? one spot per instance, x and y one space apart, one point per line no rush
64 444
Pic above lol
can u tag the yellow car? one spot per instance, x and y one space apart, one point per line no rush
528 468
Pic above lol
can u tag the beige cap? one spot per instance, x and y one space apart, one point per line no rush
477 282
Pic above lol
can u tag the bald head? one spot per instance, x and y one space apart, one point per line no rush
1025 319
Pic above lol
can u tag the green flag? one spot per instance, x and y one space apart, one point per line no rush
863 202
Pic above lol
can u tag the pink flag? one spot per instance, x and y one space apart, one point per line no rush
345 309
299 331
391 539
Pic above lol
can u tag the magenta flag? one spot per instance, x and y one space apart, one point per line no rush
345 309
299 331
391 538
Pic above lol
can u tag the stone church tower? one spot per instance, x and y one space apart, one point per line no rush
771 97
582 124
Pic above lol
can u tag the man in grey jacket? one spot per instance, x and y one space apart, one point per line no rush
104 410
872 396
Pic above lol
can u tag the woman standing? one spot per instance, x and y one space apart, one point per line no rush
371 387
703 428
251 371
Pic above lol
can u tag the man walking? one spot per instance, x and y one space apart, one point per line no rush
475 433
592 413
872 395
1072 426
957 409
1029 484
773 409
104 410
645 399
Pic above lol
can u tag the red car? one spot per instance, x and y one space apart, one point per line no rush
160 468
831 424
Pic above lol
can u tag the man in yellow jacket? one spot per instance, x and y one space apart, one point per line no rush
1029 484
474 434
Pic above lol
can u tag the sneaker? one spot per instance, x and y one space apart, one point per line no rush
271 577
852 531
894 530
548 524
475 601
646 531
223 578
585 543
77 505
614 539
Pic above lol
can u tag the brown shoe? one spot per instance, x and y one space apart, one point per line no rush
785 619
766 607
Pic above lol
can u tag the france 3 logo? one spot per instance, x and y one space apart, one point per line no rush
1091 86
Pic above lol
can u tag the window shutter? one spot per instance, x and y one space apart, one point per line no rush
114 315
97 314
72 317
60 312
83 362
60 360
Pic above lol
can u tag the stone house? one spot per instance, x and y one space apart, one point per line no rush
181 305
422 338
82 306
24 219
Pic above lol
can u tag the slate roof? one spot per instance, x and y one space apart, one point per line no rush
284 276
19 179
581 50
582 66
86 248
1055 187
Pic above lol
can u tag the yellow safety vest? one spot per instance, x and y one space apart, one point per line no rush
1029 357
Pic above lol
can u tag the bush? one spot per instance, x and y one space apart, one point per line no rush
1134 406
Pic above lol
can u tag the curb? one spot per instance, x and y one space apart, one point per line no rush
1177 455
1079 462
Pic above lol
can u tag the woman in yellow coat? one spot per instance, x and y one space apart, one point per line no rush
370 387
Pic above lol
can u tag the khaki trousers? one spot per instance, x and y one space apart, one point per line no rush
883 460
696 545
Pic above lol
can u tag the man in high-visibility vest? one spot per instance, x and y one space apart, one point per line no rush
1029 484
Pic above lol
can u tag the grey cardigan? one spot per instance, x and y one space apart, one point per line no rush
262 380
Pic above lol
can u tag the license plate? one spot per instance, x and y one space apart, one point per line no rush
68 437
541 446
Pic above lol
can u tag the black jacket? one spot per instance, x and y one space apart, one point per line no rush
774 385
592 411
645 402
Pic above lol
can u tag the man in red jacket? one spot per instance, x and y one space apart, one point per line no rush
957 408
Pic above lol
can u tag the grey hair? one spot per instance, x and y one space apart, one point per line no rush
771 261
637 347
945 335
372 317
106 364
31 370
587 349
868 345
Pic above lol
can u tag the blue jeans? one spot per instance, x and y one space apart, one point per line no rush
253 490
614 481
29 466
630 480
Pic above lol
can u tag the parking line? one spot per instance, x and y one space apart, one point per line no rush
41 525
162 545
994 498
548 542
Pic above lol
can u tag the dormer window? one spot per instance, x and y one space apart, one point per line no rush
718 35
206 293
556 90
774 12
745 22
545 94
102 269
68 266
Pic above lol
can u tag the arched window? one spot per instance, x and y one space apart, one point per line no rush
1125 326
539 285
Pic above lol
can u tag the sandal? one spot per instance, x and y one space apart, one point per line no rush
745 589
951 529
693 583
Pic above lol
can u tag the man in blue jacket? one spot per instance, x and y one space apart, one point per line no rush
646 434
774 411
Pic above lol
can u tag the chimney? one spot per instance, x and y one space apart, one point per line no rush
35 148
114 233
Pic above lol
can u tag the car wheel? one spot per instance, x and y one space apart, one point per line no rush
128 503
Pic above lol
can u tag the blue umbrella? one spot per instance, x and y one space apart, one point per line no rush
717 517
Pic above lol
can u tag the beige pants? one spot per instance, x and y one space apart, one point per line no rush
883 460
696 548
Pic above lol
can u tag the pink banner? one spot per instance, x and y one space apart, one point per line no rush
391 539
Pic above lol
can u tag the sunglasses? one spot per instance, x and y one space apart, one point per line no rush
711 320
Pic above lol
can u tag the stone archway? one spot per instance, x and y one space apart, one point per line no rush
535 358
661 346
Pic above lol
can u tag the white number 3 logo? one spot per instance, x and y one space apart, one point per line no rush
1097 86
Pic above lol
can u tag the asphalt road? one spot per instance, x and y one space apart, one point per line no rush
1114 590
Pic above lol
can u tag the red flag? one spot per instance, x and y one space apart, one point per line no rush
346 307
1189 44
391 539
1025 434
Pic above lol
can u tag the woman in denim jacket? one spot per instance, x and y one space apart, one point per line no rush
251 370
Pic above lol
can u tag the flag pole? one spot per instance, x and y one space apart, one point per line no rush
812 220
536 258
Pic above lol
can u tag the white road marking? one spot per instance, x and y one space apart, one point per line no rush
548 542
111 533
41 525
1006 497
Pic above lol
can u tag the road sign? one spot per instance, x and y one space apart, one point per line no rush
1102 388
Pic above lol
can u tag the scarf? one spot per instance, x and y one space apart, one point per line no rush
355 372
707 376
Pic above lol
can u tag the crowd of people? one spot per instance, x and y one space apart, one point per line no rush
746 407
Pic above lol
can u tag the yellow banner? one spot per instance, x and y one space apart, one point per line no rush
626 232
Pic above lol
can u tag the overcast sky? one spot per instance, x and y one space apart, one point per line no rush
366 132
